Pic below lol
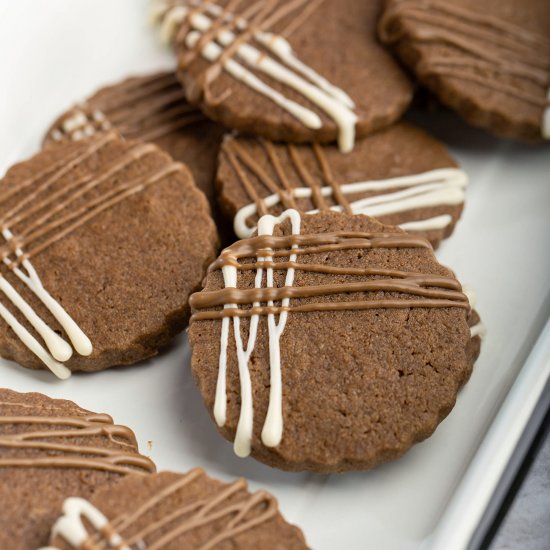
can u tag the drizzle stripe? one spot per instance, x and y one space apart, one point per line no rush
257 253
142 108
410 285
439 187
113 460
240 512
216 41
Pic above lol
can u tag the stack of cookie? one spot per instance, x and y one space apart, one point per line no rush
328 338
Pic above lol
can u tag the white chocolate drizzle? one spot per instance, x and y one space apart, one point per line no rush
478 329
32 343
58 350
79 125
546 118
58 347
273 425
287 70
71 528
445 186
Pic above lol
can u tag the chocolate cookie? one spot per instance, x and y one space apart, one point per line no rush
291 70
101 243
51 449
400 175
330 342
149 108
487 59
171 511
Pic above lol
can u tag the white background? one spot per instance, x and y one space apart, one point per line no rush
56 52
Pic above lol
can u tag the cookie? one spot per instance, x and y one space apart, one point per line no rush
51 449
330 342
149 108
290 70
102 241
489 60
400 175
172 511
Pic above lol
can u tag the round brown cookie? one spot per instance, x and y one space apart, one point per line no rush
51 449
355 354
291 70
177 512
150 108
102 242
487 59
400 175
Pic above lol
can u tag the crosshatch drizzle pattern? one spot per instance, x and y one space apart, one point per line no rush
145 108
230 507
439 187
257 254
239 42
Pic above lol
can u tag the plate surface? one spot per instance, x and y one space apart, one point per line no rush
55 52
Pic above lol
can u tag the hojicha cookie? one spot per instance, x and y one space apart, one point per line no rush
51 449
400 175
101 243
330 342
172 511
290 70
489 60
149 108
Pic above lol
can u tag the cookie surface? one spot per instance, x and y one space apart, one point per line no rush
179 512
149 108
102 242
288 70
357 352
400 175
51 449
489 60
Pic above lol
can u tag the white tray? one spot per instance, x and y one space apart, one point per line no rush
55 52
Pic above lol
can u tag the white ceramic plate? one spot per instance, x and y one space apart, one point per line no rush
55 52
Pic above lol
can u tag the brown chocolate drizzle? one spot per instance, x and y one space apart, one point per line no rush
327 174
422 290
316 195
229 506
62 453
484 43
145 108
240 159
47 211
270 245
